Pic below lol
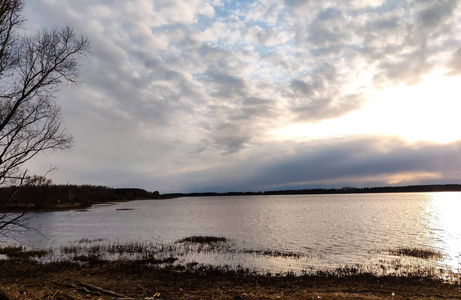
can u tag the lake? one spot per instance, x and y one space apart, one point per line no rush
326 230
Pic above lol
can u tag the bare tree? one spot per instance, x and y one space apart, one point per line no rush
31 71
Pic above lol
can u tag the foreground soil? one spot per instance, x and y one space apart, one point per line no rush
23 279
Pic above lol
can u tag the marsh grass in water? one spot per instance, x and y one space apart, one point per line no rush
11 250
199 239
88 241
415 252
274 253
187 254
19 252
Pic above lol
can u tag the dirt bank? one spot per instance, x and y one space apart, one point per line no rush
24 279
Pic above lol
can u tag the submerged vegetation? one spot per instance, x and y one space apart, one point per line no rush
199 239
19 252
417 252
197 253
97 269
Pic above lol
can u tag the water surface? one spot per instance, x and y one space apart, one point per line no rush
331 229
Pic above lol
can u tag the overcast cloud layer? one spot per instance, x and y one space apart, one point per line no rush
184 95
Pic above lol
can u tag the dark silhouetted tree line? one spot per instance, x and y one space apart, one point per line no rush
385 189
344 190
48 196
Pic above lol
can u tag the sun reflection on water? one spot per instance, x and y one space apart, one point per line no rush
445 224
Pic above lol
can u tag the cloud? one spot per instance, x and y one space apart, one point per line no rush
190 85
436 13
360 162
455 63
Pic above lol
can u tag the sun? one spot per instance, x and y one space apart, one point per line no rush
429 111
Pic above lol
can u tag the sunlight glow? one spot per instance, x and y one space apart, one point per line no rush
428 111
444 211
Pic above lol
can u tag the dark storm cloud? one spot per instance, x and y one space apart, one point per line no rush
357 162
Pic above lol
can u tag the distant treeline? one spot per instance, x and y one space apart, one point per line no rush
66 196
48 196
344 190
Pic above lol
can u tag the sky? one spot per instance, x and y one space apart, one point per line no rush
224 95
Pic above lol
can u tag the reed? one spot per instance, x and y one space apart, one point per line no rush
417 252
199 239
184 256
274 253
19 252
11 250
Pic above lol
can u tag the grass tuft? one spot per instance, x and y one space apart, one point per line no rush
11 250
200 239
273 253
19 252
185 256
417 252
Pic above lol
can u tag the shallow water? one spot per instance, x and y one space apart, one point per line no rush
328 230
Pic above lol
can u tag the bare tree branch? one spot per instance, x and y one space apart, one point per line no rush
31 70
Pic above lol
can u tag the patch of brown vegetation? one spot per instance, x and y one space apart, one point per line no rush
26 279
200 239
417 252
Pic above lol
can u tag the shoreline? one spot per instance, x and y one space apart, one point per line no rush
24 279
70 206
132 194
387 190
84 270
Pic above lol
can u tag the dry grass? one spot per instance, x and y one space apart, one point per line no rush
184 255
17 252
199 239
157 269
28 280
417 252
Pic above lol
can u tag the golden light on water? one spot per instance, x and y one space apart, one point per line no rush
444 211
